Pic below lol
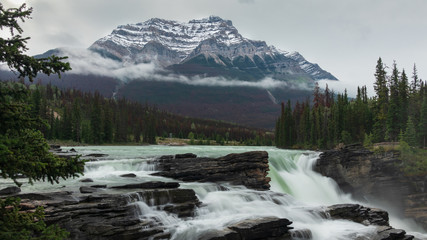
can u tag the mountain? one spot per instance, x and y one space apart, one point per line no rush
209 47
203 68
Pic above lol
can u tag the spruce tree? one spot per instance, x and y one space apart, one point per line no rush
381 102
392 122
403 100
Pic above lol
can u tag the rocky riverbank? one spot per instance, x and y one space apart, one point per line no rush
377 177
130 211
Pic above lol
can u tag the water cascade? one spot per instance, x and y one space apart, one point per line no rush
297 192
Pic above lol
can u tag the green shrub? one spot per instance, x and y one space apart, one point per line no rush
17 225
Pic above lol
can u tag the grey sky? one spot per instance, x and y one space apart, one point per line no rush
345 37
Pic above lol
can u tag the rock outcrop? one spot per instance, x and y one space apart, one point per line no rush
369 217
248 169
378 178
112 216
271 228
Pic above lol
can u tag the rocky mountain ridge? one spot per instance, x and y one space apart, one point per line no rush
210 42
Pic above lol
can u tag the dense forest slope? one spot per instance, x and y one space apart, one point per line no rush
91 118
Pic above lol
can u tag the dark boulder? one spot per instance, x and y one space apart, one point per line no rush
249 169
359 214
128 175
271 228
96 155
86 180
149 185
10 190
186 155
87 189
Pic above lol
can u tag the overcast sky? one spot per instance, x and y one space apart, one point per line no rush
345 37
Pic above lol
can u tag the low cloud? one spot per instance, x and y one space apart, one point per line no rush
87 62
340 87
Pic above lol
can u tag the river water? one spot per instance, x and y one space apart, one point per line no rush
306 192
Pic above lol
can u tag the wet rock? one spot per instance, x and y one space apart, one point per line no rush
178 201
149 185
301 234
114 216
271 228
263 228
368 217
249 169
359 214
186 155
86 180
128 175
73 150
10 190
96 155
393 234
100 186
378 177
87 189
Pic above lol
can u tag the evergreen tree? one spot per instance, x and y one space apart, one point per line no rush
410 135
393 113
66 125
76 121
108 126
403 100
96 121
381 103
422 129
415 83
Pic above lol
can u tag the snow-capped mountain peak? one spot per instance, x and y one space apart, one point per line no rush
169 43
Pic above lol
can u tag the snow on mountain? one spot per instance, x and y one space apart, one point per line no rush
212 39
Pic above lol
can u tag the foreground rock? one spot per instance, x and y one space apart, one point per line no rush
377 177
112 216
271 228
368 217
10 190
359 214
248 169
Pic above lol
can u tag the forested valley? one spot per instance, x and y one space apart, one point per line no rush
90 118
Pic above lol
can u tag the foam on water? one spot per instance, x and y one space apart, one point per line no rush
297 192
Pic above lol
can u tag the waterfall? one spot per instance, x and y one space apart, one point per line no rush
297 192
292 173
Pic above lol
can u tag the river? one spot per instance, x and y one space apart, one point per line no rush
290 171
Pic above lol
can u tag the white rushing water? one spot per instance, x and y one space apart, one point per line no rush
297 192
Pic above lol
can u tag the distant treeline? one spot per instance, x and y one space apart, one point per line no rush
90 118
397 112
